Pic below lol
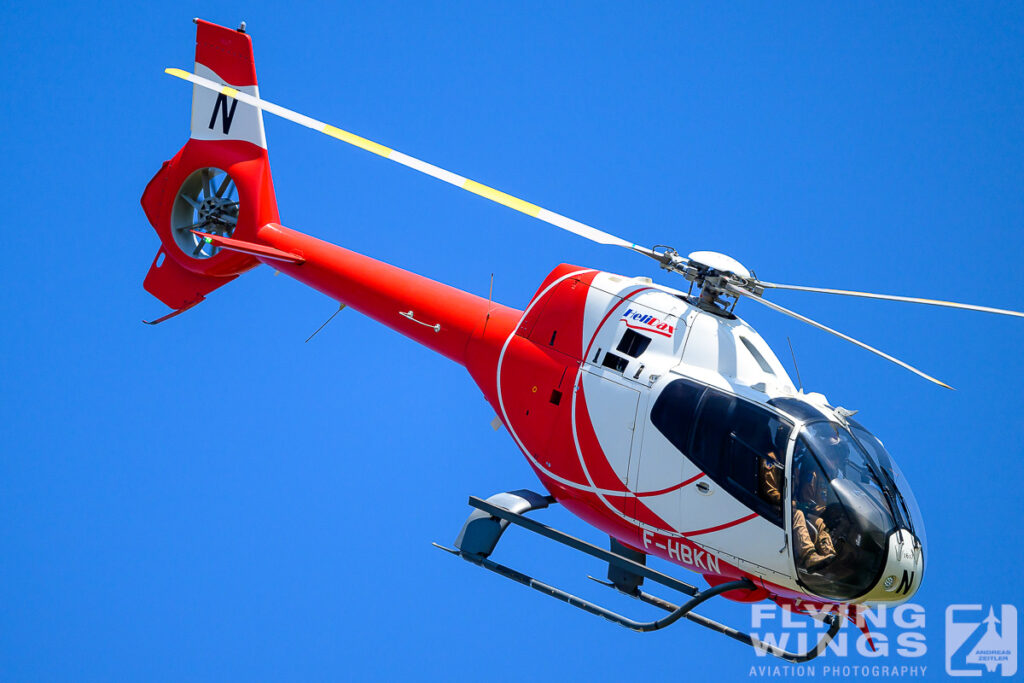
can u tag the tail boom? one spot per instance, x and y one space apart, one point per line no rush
438 316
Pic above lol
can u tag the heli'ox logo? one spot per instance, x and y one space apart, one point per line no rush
676 549
648 323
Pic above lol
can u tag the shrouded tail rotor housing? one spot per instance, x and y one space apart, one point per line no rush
216 188
218 183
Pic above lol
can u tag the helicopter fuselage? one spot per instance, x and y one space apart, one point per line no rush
586 380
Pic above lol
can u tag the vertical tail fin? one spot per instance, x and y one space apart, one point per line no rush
225 56
218 183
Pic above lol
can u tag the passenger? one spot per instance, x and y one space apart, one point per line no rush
771 471
770 478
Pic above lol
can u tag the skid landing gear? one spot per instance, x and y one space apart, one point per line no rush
627 570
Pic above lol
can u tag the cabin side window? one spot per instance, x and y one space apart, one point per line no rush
674 413
742 448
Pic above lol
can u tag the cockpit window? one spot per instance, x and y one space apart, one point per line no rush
841 513
907 512
842 458
797 408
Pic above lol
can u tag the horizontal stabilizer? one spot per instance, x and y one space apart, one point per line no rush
251 248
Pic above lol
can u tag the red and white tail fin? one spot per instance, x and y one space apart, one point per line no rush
219 183
225 56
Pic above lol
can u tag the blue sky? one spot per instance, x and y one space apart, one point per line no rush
213 499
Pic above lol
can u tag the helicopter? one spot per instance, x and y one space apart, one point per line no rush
652 413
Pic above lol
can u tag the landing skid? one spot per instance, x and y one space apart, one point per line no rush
626 571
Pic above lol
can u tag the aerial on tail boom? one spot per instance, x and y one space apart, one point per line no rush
654 414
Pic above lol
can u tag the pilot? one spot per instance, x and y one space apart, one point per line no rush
836 453
814 547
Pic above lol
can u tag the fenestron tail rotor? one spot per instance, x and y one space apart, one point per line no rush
206 209
205 203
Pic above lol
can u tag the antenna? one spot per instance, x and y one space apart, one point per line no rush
340 308
795 366
490 296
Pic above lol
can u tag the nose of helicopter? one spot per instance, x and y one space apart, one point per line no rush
903 571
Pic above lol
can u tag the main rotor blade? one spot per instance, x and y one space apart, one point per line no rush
774 306
890 297
494 195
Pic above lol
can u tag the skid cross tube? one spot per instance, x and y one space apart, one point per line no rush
675 612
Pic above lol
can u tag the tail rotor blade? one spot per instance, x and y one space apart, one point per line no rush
890 297
739 291
494 195
223 186
205 175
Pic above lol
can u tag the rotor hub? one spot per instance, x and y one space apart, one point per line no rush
715 275
713 260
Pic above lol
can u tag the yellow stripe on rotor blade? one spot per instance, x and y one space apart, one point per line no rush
353 139
229 91
501 197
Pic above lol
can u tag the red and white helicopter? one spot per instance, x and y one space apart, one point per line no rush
652 413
